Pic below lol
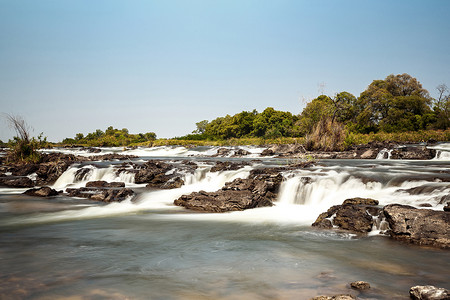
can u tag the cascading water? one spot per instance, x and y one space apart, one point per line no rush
77 176
384 154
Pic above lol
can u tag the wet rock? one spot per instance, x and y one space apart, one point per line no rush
227 166
354 214
24 169
173 183
93 150
17 182
112 156
447 207
428 292
258 190
418 226
222 152
240 153
360 285
101 183
153 172
101 194
44 191
408 152
336 297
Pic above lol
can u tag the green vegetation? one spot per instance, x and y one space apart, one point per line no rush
111 138
396 108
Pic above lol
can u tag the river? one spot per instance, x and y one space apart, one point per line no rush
147 248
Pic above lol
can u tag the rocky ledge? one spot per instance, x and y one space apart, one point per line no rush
401 222
258 190
102 191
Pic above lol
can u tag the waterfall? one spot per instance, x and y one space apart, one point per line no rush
384 154
77 176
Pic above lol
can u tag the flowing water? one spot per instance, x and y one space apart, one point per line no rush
147 248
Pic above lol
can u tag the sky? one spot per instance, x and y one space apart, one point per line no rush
70 66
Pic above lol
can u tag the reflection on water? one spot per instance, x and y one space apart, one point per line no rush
143 256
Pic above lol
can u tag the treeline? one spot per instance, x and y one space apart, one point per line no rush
398 103
111 137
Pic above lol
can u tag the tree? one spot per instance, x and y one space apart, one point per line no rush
201 127
442 107
315 111
392 104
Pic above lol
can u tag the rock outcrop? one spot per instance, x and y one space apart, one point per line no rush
258 190
354 214
101 194
418 226
16 182
428 292
44 191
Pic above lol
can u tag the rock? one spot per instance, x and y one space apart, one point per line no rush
17 182
368 154
101 183
240 153
173 183
360 285
101 194
428 292
258 190
360 201
44 191
153 172
413 153
336 297
24 169
112 156
222 152
227 166
418 226
354 214
267 152
447 207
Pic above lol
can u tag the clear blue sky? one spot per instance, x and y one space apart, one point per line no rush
70 66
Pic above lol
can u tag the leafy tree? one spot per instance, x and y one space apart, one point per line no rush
201 127
272 123
394 104
442 107
315 111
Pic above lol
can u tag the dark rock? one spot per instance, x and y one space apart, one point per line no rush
112 156
222 152
81 174
153 172
360 201
418 226
240 153
447 207
93 150
173 183
44 191
413 153
360 285
227 166
267 152
17 182
354 214
336 297
428 292
101 183
24 169
258 190
101 194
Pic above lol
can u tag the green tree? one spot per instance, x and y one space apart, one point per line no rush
315 111
392 104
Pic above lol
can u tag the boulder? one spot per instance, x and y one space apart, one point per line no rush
101 183
222 152
227 166
44 191
16 182
258 190
153 172
336 297
240 153
418 226
354 214
428 292
101 194
360 285
415 152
